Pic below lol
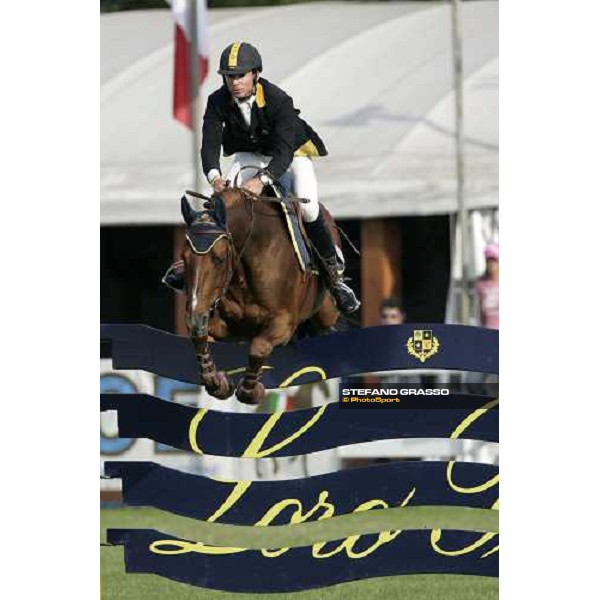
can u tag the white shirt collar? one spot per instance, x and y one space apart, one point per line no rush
245 107
249 101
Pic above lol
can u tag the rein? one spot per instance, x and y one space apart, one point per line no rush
251 195
248 195
228 273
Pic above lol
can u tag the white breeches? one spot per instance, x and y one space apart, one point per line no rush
303 175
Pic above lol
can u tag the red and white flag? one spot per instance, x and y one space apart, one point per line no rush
182 88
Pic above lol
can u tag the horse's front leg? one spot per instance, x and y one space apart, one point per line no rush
216 383
250 390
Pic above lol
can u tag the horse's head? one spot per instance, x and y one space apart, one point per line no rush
208 262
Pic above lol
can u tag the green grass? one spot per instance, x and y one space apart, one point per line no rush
418 517
116 585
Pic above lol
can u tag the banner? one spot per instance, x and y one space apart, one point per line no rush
366 350
291 433
113 447
253 502
322 564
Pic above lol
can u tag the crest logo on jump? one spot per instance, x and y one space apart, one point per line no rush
422 344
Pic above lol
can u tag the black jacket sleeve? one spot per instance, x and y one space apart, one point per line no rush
212 137
284 134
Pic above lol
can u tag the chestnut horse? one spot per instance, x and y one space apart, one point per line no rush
244 282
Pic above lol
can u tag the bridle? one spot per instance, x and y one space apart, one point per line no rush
234 257
198 324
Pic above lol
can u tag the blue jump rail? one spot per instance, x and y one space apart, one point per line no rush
371 349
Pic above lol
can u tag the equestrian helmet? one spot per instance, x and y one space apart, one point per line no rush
239 58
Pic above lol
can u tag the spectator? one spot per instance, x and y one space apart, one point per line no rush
487 289
391 313
488 295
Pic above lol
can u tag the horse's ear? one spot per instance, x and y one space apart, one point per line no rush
188 213
220 212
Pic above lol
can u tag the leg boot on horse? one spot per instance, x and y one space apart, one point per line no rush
280 330
216 383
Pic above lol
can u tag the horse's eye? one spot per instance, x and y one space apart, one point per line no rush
218 260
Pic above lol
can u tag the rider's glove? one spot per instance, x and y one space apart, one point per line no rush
265 178
213 175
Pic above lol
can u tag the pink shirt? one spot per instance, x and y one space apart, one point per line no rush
489 300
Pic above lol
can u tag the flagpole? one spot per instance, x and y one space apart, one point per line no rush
195 93
464 305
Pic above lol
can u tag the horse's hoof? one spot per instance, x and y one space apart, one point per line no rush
252 395
220 387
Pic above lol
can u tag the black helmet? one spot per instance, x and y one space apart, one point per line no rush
239 58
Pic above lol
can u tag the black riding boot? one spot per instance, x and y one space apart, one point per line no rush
320 236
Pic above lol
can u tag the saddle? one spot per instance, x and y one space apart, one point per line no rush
291 212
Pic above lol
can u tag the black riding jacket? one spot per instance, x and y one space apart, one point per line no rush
275 129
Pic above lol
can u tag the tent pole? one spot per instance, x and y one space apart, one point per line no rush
195 92
464 304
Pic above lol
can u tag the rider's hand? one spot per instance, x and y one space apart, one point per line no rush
254 185
219 185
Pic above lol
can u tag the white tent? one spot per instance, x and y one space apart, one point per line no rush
375 80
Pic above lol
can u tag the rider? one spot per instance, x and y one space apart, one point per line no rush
256 121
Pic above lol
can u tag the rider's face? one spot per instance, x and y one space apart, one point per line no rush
240 86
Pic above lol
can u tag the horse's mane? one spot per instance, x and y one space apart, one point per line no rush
241 198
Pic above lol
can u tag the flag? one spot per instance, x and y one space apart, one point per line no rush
182 88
